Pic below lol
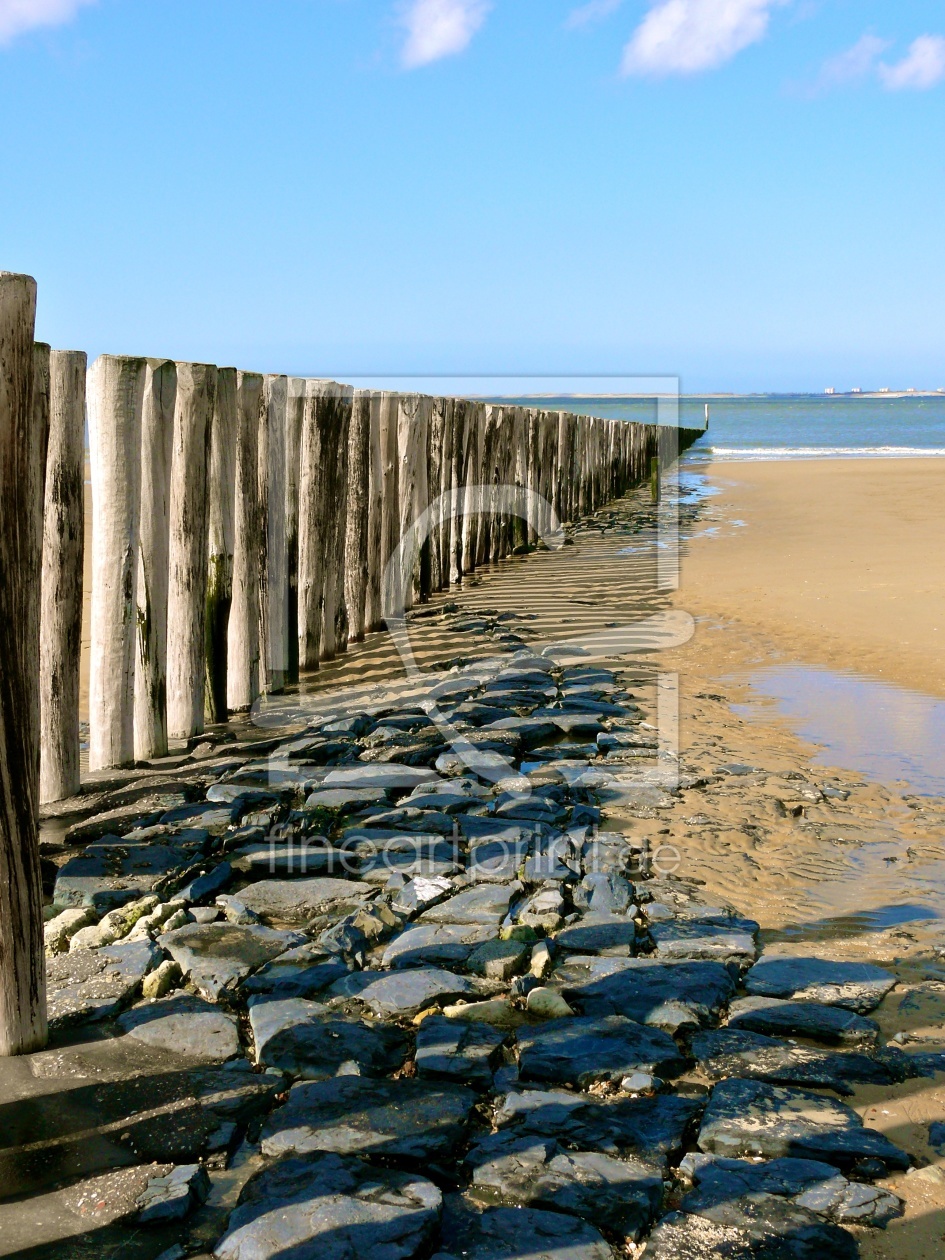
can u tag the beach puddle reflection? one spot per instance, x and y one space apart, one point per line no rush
885 732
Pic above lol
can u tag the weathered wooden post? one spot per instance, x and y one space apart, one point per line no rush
188 551
273 591
115 396
390 516
373 614
459 457
242 675
322 520
295 411
413 428
63 558
335 422
220 528
357 515
157 444
22 460
473 495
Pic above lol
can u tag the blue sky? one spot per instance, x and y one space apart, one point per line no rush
747 193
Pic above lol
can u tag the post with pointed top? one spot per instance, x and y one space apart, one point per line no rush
63 556
22 469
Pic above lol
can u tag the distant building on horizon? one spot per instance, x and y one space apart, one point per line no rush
830 390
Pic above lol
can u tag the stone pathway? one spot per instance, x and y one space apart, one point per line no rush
353 990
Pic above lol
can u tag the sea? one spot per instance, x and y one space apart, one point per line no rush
790 426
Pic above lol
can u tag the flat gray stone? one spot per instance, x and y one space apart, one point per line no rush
499 960
603 893
93 984
403 1119
307 1039
597 932
484 903
110 873
667 995
173 1196
504 1233
332 1207
401 994
619 1195
345 800
302 973
763 1228
432 944
694 938
810 1184
458 1050
388 776
183 1024
730 1052
583 1052
859 987
652 1129
774 1017
751 1118
217 956
294 902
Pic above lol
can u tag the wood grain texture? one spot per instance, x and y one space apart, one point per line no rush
22 474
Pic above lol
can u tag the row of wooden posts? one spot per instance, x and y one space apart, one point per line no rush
242 527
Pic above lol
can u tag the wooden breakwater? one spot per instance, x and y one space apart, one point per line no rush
245 527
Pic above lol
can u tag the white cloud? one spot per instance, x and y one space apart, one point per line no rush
685 36
440 28
856 63
17 16
922 67
593 11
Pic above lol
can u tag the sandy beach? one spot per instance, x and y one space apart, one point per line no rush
840 561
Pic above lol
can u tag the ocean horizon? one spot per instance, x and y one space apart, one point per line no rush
788 426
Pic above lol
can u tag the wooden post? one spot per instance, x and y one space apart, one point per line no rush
187 584
22 469
655 478
413 424
220 530
373 615
63 558
115 397
157 444
436 447
273 591
358 508
242 677
390 518
295 411
334 413
459 456
322 518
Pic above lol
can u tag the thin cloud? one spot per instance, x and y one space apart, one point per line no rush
19 16
686 36
440 28
922 67
856 63
593 11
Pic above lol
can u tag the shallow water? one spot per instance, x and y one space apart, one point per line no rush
885 732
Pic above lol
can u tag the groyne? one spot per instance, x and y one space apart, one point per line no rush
245 527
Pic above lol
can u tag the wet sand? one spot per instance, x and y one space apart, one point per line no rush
840 561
